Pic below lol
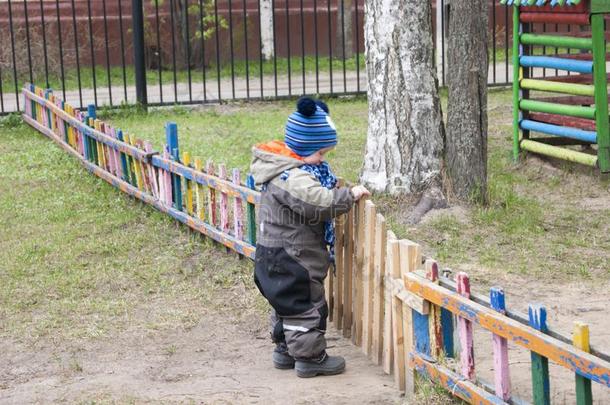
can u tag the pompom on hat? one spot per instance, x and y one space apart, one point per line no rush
310 128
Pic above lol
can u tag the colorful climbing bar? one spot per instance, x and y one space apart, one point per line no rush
550 62
557 41
555 108
581 115
563 120
567 132
554 18
558 87
559 153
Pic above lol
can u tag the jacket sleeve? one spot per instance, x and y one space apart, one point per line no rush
304 194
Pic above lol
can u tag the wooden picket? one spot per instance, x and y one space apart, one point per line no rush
398 308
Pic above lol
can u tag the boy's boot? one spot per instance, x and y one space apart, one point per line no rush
324 365
281 358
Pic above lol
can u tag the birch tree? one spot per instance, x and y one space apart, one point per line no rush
267 34
405 140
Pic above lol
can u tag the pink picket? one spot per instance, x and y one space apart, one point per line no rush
209 168
465 330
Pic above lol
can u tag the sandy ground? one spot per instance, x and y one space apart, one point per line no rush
220 361
227 361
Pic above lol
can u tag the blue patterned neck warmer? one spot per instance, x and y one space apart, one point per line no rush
327 178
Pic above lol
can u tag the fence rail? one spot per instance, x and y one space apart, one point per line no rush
383 294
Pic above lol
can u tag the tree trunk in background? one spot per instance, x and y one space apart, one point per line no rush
182 36
267 34
467 106
405 140
345 31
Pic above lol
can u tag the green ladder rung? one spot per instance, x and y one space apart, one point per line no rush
556 41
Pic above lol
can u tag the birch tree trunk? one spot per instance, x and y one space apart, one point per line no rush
405 140
266 22
467 105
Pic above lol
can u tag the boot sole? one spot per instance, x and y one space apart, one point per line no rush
313 373
283 366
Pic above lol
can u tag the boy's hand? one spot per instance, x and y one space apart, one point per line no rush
359 191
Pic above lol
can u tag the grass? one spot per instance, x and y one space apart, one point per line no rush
78 259
115 76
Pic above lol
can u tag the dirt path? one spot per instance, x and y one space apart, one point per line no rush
220 361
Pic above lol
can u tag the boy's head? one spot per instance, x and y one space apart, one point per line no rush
309 131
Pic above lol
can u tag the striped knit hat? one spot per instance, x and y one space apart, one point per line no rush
310 128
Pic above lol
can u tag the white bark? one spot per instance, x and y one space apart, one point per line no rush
267 29
405 139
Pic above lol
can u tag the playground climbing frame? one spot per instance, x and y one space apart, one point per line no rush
580 116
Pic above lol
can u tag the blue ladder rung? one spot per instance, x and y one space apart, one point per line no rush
549 62
558 130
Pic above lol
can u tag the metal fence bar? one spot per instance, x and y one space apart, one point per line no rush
77 54
173 40
173 33
44 42
107 52
187 46
202 37
231 47
160 52
288 46
27 36
245 18
15 77
330 48
91 49
122 40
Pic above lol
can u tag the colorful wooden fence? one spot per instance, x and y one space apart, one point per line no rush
172 183
382 294
410 319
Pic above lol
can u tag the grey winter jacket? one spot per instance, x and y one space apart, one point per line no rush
290 230
293 210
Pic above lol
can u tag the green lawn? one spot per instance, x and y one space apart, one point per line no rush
240 69
79 259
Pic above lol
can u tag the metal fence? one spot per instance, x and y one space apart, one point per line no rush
203 51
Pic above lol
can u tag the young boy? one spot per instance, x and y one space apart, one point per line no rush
295 236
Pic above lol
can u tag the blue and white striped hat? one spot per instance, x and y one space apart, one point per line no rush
310 128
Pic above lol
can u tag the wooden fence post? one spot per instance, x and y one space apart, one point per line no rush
338 279
540 365
378 301
209 168
388 341
399 356
500 349
348 270
367 277
434 321
410 257
580 339
238 209
465 330
359 272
